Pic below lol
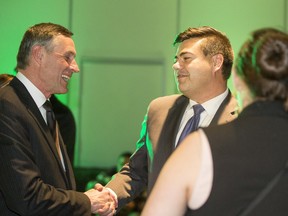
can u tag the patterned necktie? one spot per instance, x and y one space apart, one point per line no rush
53 127
50 117
192 123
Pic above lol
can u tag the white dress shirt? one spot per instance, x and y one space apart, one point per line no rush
206 116
36 94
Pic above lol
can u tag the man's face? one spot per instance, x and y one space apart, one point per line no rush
192 70
58 65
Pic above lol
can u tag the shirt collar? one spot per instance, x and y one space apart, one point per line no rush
36 94
212 105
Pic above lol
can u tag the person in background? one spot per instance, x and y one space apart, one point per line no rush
202 66
64 117
239 168
5 79
105 176
36 174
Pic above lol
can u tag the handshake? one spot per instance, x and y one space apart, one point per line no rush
103 201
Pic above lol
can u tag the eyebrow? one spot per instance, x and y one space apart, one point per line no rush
183 53
70 53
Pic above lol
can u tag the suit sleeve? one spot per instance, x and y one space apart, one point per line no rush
22 188
131 180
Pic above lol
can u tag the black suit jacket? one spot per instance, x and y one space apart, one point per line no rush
157 142
33 181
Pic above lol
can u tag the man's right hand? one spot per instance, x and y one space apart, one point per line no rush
102 201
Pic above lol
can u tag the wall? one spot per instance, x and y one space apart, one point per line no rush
236 18
125 53
16 16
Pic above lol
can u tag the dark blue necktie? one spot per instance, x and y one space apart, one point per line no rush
192 123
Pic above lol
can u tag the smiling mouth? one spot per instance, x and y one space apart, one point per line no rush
182 75
65 78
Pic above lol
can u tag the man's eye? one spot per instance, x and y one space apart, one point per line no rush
68 59
185 59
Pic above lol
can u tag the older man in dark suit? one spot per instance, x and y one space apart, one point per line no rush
36 174
202 67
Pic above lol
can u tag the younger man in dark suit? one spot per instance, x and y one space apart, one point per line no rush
202 67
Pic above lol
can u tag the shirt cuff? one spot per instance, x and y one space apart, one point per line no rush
114 196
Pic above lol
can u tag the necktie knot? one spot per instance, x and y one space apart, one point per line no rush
193 122
198 109
48 106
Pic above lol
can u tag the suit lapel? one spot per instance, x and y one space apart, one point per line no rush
28 101
34 111
174 118
226 112
166 144
69 170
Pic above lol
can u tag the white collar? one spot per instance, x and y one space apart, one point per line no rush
212 105
36 94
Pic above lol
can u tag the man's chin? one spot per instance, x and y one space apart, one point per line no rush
62 90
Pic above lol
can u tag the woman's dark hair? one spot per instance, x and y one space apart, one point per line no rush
262 63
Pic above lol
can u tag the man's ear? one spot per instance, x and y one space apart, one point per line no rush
37 53
217 61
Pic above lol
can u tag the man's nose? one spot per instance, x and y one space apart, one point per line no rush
74 66
176 66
